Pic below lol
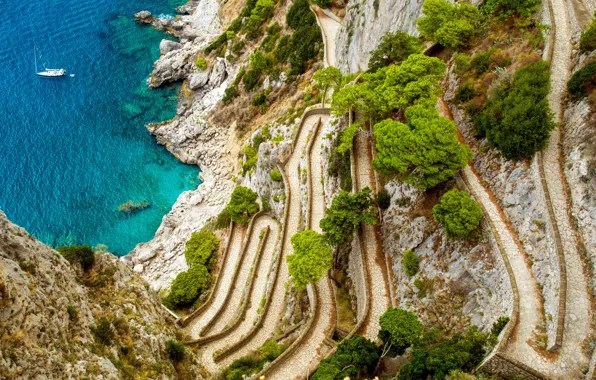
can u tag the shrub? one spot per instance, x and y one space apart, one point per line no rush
276 175
188 286
508 8
223 219
517 118
480 61
466 92
499 325
311 259
346 138
458 212
306 40
424 153
283 50
383 199
251 79
354 356
201 247
240 368
259 100
346 213
270 350
340 166
230 93
451 25
394 48
242 205
400 329
411 263
201 63
82 254
583 81
175 350
587 42
323 3
103 331
72 311
463 62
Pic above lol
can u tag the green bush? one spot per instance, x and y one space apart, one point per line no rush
72 311
587 42
517 118
345 214
242 205
270 350
276 175
201 248
340 165
463 62
411 263
311 259
354 357
188 286
230 93
306 41
499 325
383 199
508 8
400 329
283 50
201 63
451 25
323 3
251 79
175 350
82 254
103 331
346 138
394 48
466 92
244 366
459 214
223 219
583 81
480 62
259 100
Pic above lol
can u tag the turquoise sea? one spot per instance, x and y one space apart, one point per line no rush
73 149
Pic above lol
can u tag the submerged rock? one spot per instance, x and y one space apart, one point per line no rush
144 17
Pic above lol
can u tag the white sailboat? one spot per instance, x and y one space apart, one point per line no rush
47 73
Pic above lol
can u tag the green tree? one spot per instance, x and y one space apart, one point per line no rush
82 254
354 356
201 247
458 213
411 263
347 138
451 25
311 258
583 81
517 118
587 42
394 48
242 205
175 350
326 78
424 153
188 286
399 330
346 213
259 62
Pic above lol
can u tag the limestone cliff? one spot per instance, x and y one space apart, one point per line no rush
50 311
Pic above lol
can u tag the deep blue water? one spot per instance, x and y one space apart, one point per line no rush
73 149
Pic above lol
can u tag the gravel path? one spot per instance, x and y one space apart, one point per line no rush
194 327
375 262
329 27
258 292
313 347
578 314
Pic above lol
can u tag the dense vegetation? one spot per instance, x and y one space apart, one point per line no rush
583 81
517 118
587 42
242 205
356 356
175 350
424 152
327 78
311 259
400 329
451 25
188 286
346 213
201 248
306 41
459 213
508 8
82 254
394 48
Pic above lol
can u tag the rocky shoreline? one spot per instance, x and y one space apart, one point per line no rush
190 138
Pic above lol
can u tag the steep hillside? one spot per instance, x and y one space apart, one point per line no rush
58 321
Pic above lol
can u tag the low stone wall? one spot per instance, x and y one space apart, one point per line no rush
509 368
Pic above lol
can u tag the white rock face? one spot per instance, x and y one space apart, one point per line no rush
166 46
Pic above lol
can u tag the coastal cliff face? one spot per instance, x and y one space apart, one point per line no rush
50 311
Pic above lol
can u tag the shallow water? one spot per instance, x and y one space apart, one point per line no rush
73 149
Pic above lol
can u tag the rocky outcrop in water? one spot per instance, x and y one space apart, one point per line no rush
51 312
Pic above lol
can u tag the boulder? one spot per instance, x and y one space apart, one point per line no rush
218 73
144 17
166 46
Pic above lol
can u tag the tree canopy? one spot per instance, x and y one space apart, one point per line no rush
399 330
188 286
354 356
311 259
451 25
394 48
347 211
424 153
242 204
200 248
517 118
458 212
329 77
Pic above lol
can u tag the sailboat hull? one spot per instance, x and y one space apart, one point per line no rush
52 73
